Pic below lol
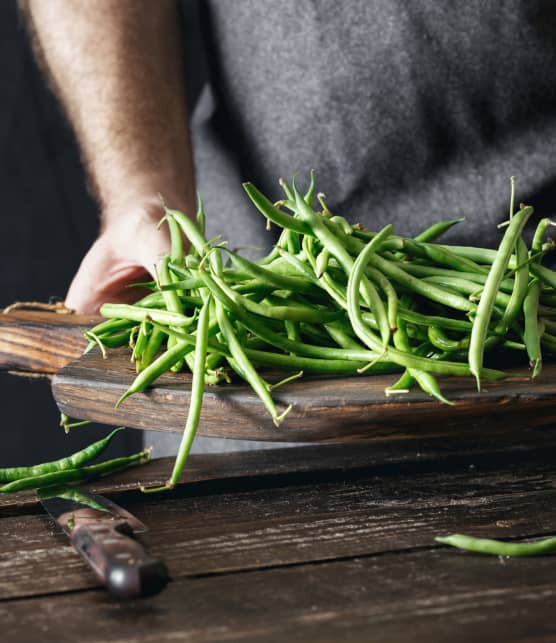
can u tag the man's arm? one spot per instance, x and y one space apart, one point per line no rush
117 66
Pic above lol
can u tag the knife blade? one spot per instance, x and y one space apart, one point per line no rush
102 532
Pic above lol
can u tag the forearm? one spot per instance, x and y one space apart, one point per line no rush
117 66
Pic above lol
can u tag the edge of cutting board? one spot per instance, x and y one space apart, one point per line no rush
332 409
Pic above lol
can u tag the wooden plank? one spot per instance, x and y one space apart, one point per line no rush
334 409
432 596
392 509
41 342
269 466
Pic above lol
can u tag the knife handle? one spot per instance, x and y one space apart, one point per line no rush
118 560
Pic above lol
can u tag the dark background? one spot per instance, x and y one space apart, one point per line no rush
48 220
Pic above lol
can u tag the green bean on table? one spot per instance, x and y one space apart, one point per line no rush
80 474
499 547
70 462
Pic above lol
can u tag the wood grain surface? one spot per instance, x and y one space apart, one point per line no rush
332 409
41 342
340 548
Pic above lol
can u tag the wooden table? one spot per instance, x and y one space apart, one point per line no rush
327 543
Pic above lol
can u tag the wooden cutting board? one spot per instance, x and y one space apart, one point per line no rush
332 409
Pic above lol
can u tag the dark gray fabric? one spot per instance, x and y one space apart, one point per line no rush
408 111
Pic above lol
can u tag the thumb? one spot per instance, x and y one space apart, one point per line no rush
102 277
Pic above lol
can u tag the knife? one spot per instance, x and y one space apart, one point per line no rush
102 532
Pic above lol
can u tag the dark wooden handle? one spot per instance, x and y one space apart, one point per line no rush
119 561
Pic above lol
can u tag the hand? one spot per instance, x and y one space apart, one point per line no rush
128 248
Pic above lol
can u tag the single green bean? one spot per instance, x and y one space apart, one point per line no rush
138 313
540 232
440 255
196 399
403 385
249 373
436 230
272 213
531 333
521 284
498 547
487 301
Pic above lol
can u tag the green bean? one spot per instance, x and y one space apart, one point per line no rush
439 340
171 299
152 300
112 326
154 343
436 230
391 297
314 333
81 474
531 334
310 194
549 342
467 287
299 266
538 238
70 462
519 291
360 268
486 303
141 343
196 399
110 341
200 216
498 547
245 365
441 255
325 282
344 339
403 385
433 320
137 313
272 213
425 380
315 364
335 248
488 256
292 330
321 264
213 345
549 325
155 369
189 228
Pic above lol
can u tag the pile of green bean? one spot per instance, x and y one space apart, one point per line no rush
334 298
70 469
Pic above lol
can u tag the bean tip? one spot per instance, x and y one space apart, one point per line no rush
122 398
